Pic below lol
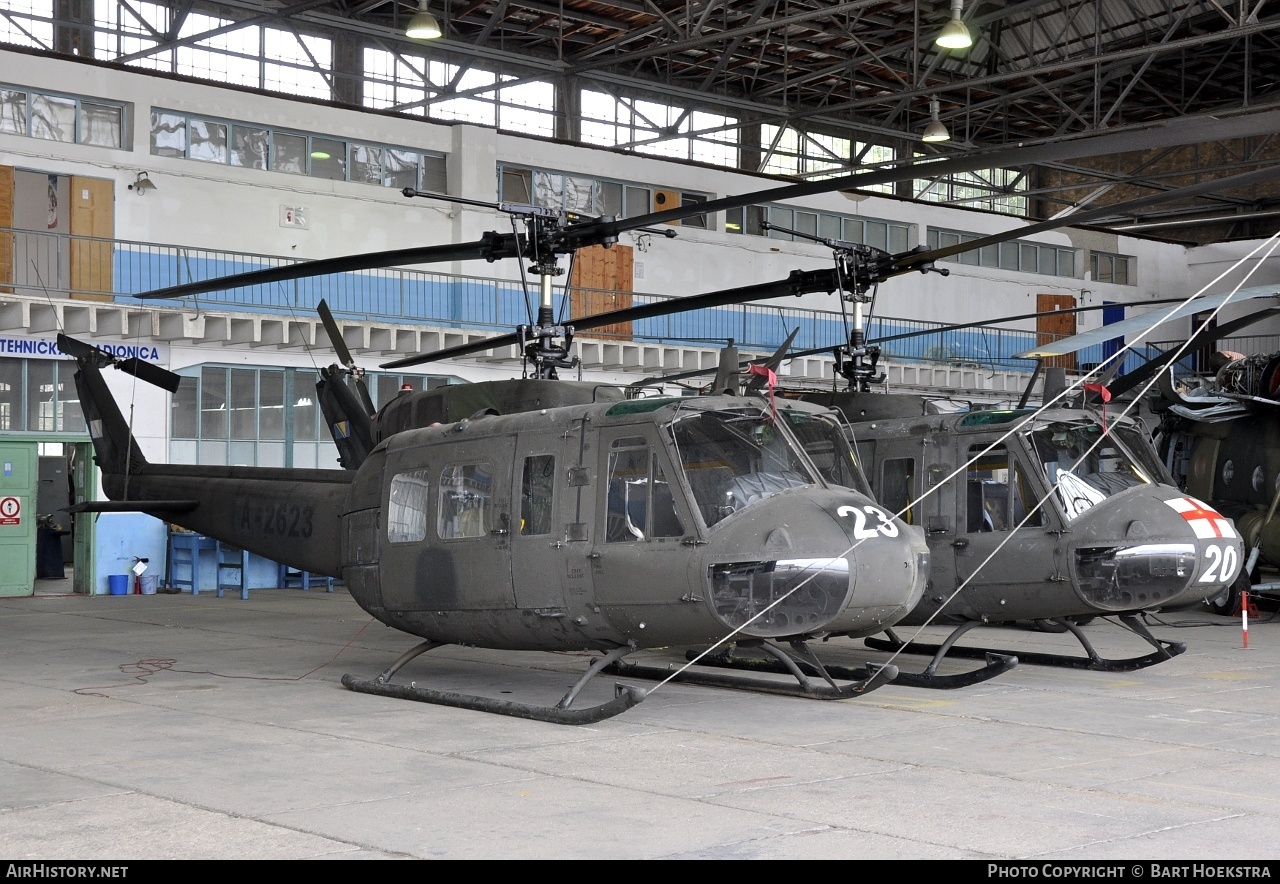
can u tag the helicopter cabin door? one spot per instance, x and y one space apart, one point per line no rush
541 572
1000 531
638 554
448 525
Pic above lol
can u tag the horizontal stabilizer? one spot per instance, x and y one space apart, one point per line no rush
133 506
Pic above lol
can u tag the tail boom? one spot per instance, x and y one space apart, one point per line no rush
290 516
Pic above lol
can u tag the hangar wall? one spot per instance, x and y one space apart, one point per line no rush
239 210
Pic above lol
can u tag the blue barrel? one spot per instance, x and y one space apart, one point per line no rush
118 584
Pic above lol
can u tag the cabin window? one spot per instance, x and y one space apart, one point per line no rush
897 487
999 496
987 489
407 506
1025 501
640 501
466 500
536 490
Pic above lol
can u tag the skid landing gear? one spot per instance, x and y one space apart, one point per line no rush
799 663
1164 650
929 678
625 696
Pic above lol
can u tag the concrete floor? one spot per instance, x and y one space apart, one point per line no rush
173 726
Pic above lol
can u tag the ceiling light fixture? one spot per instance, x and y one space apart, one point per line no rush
423 25
955 35
935 131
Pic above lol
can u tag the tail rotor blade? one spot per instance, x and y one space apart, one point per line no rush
335 335
151 374
758 381
362 391
143 371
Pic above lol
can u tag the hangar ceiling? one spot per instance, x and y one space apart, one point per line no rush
1038 70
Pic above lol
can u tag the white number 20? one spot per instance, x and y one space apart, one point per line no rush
1222 564
884 525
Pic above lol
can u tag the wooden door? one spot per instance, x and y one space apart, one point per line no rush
1055 328
601 282
92 230
6 233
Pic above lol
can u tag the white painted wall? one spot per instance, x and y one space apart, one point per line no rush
216 206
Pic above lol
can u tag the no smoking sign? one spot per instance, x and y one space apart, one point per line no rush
10 511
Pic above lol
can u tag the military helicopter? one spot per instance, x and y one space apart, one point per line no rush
1217 427
573 519
608 525
1051 516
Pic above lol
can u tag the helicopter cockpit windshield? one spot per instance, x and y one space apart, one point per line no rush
1085 471
733 459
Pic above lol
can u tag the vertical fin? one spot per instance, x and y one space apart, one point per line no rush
115 449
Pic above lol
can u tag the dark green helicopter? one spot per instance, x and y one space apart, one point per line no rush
1218 429
1052 516
542 514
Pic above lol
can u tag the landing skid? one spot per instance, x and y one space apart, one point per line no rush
625 696
929 678
996 664
797 663
1164 650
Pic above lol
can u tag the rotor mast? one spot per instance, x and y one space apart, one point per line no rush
544 344
862 267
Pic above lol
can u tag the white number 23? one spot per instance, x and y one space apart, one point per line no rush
883 524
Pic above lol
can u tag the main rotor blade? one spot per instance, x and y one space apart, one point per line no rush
919 333
1127 382
798 283
1147 321
907 261
491 247
1169 133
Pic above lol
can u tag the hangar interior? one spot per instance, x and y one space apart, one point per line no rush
147 144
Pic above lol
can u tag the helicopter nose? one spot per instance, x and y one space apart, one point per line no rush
1175 550
831 566
1129 577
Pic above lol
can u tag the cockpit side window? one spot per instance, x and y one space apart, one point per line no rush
466 496
823 439
639 501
